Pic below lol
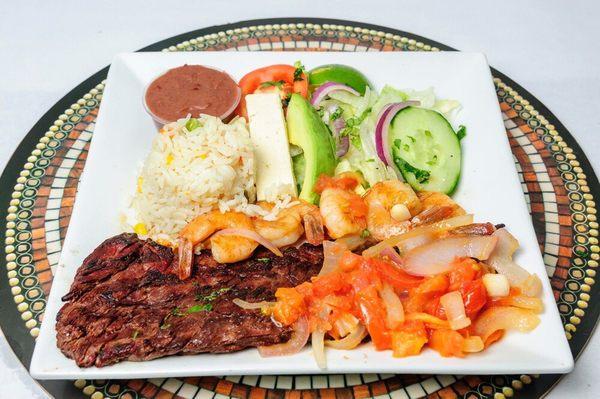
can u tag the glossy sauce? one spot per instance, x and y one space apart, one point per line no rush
191 89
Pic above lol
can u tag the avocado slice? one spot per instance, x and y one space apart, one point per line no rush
307 131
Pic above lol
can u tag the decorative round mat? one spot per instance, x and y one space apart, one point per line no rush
558 183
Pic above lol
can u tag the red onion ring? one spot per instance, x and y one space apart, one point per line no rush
323 91
392 255
295 344
342 143
384 119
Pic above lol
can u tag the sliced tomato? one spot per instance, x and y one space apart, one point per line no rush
474 297
393 275
275 78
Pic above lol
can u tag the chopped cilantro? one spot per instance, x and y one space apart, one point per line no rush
335 114
365 233
299 71
421 175
398 143
461 132
427 133
272 83
370 160
212 296
205 307
406 147
351 128
191 124
264 260
356 141
411 138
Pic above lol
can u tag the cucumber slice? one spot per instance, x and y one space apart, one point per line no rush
425 149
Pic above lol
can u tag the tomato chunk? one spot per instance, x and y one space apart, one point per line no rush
465 269
447 342
474 297
409 339
290 305
275 78
373 316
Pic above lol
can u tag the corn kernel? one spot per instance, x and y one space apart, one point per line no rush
170 158
140 181
140 229
400 212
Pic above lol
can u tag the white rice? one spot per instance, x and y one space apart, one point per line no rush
190 173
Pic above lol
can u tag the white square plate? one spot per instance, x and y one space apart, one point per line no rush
489 188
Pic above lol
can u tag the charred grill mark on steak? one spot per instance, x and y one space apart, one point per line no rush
127 303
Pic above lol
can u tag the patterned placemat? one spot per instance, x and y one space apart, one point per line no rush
39 187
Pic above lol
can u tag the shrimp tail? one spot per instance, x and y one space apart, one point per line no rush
433 214
186 253
313 227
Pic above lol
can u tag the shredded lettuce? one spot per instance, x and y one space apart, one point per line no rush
357 104
448 108
388 95
371 168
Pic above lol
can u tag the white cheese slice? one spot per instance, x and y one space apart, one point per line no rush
274 174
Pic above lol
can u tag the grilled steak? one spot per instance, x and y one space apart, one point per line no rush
126 302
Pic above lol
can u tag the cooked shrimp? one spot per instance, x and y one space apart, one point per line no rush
344 212
225 249
231 249
381 199
288 227
436 207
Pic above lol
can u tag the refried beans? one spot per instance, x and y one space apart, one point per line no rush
192 89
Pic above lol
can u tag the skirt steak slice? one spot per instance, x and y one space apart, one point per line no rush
126 302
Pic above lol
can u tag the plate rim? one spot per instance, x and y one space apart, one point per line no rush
470 58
